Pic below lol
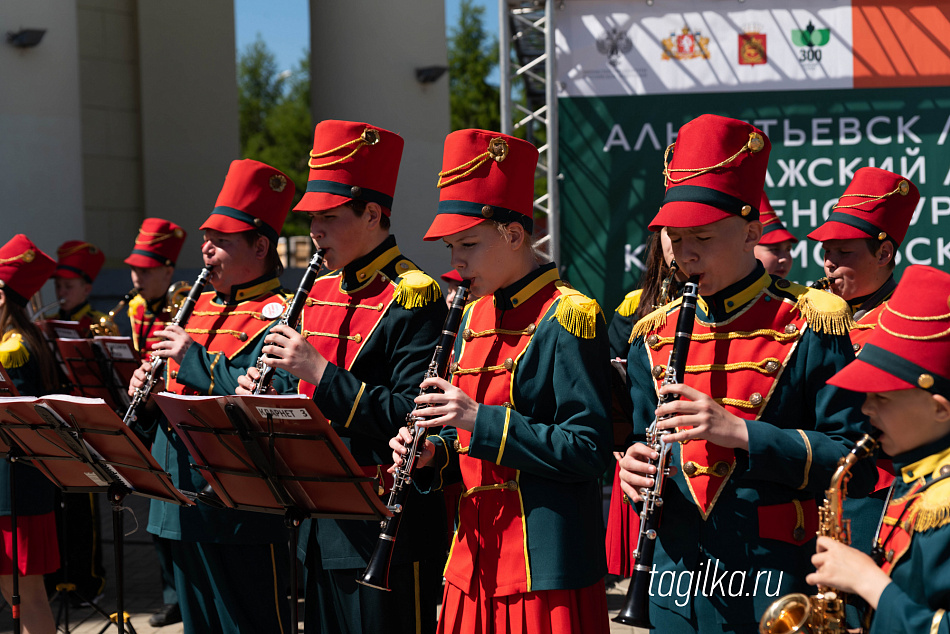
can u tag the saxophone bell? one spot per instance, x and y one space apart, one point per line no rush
107 326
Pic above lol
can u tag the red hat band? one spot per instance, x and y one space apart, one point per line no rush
773 229
79 259
255 196
23 269
351 161
485 176
876 204
158 244
717 170
910 348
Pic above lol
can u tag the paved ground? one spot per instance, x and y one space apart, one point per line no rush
143 588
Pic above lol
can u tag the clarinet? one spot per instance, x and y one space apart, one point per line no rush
376 574
291 316
158 363
636 610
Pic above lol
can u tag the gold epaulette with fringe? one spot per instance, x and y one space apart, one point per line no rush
933 509
416 289
13 352
653 321
823 311
630 303
577 313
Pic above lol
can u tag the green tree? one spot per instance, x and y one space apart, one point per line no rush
473 56
275 122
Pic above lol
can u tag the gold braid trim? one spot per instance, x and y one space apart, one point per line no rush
758 366
735 402
320 302
214 313
416 289
471 334
490 368
825 312
858 326
155 237
780 337
511 485
369 136
629 304
902 189
754 144
933 508
577 313
703 470
62 253
497 150
211 331
652 321
313 333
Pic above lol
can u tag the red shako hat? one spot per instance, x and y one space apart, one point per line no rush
76 258
23 269
157 244
876 204
452 276
254 196
773 229
485 176
717 170
352 161
911 345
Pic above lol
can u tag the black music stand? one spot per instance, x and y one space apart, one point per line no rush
81 445
273 454
99 367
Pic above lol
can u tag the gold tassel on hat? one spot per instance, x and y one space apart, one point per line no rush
13 353
416 289
823 311
577 313
630 303
652 321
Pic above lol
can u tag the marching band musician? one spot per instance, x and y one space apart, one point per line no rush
774 249
230 566
757 433
152 264
30 364
525 414
368 333
904 370
77 265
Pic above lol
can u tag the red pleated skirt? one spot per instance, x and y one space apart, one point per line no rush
38 549
581 611
623 529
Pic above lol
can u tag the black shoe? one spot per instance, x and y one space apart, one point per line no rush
168 614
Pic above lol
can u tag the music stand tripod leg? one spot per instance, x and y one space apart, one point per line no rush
293 517
15 596
117 493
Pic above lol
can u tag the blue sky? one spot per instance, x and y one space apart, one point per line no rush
285 25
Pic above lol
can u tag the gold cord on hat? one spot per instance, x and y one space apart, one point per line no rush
497 150
27 256
888 309
755 144
62 253
369 136
903 188
156 237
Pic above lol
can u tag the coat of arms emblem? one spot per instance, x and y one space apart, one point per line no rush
686 45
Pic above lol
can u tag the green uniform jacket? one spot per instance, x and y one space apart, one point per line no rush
34 494
383 382
919 596
556 435
203 523
794 446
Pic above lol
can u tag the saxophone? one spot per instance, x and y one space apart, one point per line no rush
822 613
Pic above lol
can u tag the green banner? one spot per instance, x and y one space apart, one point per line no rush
611 157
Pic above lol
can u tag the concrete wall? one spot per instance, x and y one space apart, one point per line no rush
363 58
41 186
189 109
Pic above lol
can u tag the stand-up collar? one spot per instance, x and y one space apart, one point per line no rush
867 302
515 294
719 306
362 269
250 290
924 460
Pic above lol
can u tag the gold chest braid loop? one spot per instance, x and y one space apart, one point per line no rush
320 302
241 336
333 335
655 341
510 485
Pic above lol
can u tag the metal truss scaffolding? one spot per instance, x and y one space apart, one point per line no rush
526 41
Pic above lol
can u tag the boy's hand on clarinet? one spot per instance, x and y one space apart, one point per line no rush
400 446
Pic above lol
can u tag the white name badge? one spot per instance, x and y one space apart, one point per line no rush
273 310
